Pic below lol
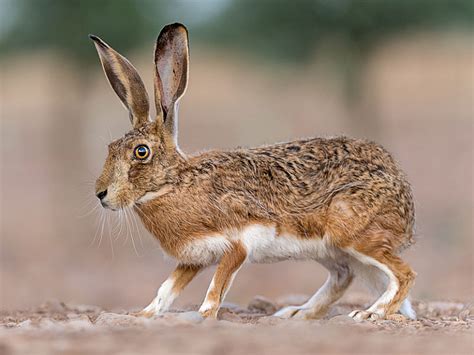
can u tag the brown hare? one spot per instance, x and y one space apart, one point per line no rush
342 202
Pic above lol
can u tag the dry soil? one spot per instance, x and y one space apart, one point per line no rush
59 328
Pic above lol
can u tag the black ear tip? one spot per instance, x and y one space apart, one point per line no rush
177 25
173 27
98 41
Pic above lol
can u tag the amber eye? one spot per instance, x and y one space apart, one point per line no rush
142 152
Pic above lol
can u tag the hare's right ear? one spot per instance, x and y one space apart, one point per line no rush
171 74
125 81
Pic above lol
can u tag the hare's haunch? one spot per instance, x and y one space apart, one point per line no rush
342 202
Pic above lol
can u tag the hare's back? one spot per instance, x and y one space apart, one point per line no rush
318 152
354 182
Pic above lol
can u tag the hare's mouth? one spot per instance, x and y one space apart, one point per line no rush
105 200
105 204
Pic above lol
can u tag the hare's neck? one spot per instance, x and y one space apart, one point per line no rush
169 219
174 218
195 168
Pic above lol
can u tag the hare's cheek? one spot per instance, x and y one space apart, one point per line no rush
139 176
136 173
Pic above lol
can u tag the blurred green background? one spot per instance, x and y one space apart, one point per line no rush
399 72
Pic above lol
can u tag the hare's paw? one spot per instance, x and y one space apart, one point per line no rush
288 312
209 313
358 315
149 311
296 312
209 309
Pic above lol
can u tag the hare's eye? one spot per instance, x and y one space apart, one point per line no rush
142 152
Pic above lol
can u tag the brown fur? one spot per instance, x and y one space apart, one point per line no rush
228 266
296 191
350 190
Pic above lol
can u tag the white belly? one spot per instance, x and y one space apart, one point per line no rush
262 243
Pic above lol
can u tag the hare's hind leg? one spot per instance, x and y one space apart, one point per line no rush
339 279
377 282
407 309
400 278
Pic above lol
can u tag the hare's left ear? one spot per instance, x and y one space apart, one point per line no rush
124 79
171 74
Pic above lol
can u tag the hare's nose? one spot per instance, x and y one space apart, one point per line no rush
101 194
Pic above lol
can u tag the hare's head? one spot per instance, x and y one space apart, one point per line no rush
138 165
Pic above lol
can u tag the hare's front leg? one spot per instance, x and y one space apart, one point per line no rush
170 289
228 267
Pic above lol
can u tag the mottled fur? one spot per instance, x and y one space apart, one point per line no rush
348 194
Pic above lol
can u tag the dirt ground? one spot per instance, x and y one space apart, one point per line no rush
58 328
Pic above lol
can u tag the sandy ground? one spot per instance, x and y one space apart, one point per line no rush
58 328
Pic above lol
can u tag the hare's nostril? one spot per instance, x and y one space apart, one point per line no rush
101 194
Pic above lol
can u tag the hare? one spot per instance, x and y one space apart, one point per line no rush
342 202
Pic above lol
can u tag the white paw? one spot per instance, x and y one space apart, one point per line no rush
288 312
150 311
206 306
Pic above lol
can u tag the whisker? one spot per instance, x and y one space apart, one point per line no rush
110 237
89 198
120 224
116 225
98 221
102 229
131 235
134 223
102 138
127 225
90 211
87 183
143 213
134 218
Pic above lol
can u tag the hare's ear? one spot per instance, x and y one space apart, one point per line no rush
125 81
171 74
